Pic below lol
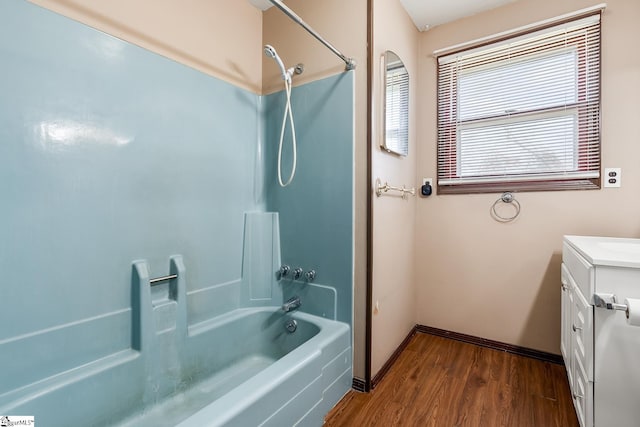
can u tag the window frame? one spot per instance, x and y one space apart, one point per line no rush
582 177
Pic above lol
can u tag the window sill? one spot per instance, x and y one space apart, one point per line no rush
501 187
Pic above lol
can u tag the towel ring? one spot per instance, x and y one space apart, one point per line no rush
506 197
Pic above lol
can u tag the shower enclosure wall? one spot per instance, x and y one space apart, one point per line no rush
110 155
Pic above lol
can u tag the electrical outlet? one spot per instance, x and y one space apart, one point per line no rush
612 177
427 180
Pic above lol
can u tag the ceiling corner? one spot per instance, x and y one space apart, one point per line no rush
261 4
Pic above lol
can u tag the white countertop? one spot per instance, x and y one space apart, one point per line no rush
610 251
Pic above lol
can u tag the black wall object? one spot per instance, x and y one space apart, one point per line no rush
426 189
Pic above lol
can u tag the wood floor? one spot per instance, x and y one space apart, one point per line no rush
441 382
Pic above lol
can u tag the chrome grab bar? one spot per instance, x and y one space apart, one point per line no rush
157 280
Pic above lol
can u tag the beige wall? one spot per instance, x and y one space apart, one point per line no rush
393 217
501 281
344 24
219 37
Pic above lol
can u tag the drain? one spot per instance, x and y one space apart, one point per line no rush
291 325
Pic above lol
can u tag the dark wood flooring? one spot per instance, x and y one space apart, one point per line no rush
441 382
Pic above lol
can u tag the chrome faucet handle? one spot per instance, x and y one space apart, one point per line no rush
297 273
284 270
310 275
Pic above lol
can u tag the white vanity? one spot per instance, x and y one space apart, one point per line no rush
601 350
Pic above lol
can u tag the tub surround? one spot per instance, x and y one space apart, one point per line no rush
113 156
110 154
236 368
316 209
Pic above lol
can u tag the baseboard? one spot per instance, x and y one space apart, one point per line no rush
389 363
495 345
359 385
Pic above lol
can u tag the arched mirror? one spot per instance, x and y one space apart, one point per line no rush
395 105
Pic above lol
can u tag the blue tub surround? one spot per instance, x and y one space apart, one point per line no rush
238 366
111 165
316 209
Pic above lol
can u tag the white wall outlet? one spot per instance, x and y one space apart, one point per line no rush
612 177
427 180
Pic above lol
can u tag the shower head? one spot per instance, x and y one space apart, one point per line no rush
271 53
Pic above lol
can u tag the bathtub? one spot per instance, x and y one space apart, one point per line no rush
292 378
264 376
242 368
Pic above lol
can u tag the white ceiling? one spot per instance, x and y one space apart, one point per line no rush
261 4
429 13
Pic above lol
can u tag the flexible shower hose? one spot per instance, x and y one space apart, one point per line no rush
287 112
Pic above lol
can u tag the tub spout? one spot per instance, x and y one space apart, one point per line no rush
292 303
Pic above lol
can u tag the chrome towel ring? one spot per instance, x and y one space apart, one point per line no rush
509 198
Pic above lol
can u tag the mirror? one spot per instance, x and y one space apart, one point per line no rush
395 123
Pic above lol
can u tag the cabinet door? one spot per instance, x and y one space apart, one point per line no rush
582 391
582 328
582 357
566 320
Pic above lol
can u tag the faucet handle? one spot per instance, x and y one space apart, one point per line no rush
297 273
310 275
284 270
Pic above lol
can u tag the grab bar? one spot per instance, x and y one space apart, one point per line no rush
157 280
383 188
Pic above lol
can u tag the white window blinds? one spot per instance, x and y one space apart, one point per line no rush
522 113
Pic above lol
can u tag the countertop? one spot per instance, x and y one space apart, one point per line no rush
609 251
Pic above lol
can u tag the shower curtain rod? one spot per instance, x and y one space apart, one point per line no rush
350 62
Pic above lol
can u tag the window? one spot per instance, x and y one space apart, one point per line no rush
522 113
396 120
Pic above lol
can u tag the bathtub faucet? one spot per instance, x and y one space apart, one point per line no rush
292 303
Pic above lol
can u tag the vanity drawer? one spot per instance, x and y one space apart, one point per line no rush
582 394
582 333
566 311
580 269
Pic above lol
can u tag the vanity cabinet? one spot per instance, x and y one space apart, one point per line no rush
601 351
